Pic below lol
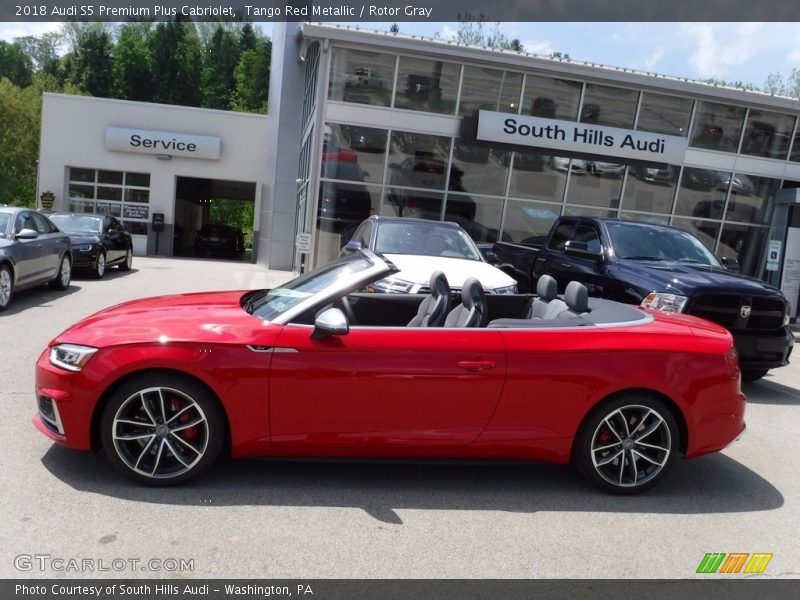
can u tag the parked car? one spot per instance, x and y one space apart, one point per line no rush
666 174
32 252
562 163
163 385
605 168
98 242
216 238
418 247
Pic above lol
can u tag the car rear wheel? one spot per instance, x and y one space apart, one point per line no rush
64 276
6 287
628 444
100 266
162 429
126 264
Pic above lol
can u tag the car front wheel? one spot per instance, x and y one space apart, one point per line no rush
6 287
64 276
100 266
162 429
628 444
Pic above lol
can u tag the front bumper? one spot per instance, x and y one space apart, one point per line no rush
763 350
86 259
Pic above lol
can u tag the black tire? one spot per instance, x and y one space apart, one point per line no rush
750 375
100 266
64 275
6 286
181 433
126 264
611 432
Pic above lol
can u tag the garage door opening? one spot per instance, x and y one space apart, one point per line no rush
214 218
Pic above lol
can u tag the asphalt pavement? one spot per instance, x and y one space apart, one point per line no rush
265 519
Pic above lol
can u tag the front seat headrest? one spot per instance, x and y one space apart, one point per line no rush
546 287
577 297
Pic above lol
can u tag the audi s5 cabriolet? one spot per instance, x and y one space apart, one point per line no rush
318 368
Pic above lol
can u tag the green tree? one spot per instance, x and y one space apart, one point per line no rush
251 79
43 51
133 63
15 63
20 111
177 64
236 213
477 31
220 60
248 40
93 63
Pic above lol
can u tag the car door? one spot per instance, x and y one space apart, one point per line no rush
52 246
27 252
116 244
384 388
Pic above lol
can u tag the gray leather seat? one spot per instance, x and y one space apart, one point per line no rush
433 309
546 305
576 297
473 310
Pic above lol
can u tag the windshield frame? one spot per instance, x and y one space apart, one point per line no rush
377 268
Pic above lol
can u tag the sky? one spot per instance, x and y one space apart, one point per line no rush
745 52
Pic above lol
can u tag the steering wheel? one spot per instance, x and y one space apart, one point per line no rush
347 308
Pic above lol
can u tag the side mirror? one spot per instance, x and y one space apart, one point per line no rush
581 250
491 257
330 322
731 263
27 234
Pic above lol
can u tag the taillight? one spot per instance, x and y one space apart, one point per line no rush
732 362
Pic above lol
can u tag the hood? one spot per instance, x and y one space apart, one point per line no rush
687 278
212 317
417 269
79 239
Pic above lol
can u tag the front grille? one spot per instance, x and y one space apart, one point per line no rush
48 410
766 314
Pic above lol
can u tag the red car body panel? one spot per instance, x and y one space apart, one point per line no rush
398 392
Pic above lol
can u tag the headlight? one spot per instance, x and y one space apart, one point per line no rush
391 285
509 289
787 317
84 248
71 356
666 302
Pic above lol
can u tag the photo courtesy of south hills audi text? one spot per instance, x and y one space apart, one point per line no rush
157 11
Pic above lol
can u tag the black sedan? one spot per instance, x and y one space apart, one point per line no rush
98 242
216 238
32 252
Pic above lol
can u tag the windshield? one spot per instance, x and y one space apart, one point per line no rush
426 239
78 223
658 243
5 219
268 304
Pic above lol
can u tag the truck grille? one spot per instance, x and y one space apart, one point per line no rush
730 311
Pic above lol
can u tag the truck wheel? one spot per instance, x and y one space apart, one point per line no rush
753 374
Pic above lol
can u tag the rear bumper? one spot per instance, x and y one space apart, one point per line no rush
764 350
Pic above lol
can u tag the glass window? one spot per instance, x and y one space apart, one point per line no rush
528 222
601 189
342 207
650 189
114 177
361 77
644 218
717 126
795 155
538 177
109 208
583 211
133 195
427 85
138 179
81 206
136 227
611 106
702 193
705 231
81 191
560 237
489 89
751 198
341 160
109 193
767 134
659 113
135 211
475 170
478 216
418 160
551 98
401 202
76 174
745 244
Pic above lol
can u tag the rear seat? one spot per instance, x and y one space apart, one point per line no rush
546 305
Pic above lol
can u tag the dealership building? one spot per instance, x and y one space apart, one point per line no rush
363 122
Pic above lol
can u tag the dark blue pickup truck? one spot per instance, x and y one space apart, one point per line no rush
662 267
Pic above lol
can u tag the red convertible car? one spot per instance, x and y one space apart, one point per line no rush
317 368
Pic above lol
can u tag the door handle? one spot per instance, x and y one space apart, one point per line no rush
475 365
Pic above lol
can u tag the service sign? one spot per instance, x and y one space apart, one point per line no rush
162 142
567 136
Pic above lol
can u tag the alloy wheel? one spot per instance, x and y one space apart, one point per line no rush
100 269
5 287
66 272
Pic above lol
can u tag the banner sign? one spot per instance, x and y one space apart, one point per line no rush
162 143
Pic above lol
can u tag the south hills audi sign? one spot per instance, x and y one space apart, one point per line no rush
567 136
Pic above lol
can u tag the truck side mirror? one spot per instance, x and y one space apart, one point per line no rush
731 263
